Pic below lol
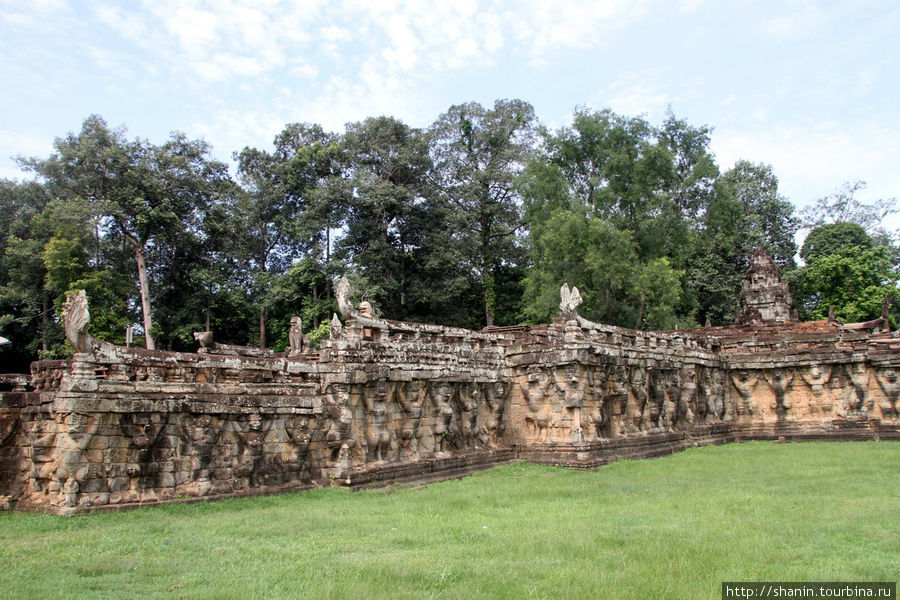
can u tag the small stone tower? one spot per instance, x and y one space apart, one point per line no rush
764 297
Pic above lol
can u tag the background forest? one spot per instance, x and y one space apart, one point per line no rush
474 221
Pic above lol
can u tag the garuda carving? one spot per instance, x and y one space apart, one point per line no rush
570 300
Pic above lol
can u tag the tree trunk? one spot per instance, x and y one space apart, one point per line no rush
145 294
489 301
640 317
262 327
487 276
45 321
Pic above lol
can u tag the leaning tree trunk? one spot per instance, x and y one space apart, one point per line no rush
145 294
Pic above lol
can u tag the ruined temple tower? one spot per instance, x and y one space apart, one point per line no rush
764 297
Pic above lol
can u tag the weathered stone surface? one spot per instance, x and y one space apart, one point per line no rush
390 401
764 297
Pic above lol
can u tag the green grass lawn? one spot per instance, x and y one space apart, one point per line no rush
671 527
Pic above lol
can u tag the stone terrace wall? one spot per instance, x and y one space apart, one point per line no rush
821 378
134 426
387 401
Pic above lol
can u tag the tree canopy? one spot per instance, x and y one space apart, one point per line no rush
475 220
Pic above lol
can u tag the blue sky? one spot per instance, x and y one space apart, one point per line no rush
809 87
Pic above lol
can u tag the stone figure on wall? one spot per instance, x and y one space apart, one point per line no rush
9 424
537 419
200 434
570 387
745 383
71 443
342 295
143 430
636 386
780 380
816 376
656 400
337 417
889 383
686 407
251 431
570 300
336 331
204 338
298 342
592 417
853 397
41 441
365 310
378 436
359 423
718 394
702 405
669 416
635 399
616 399
411 398
764 297
711 402
490 420
298 430
442 415
468 399
76 319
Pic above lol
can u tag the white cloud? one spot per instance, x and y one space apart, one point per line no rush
546 27
806 18
20 143
812 160
636 93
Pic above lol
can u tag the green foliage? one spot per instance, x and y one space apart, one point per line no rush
853 282
660 293
614 208
291 198
761 218
383 211
128 194
478 154
834 238
109 295
26 311
746 212
477 219
65 261
304 291
319 334
585 252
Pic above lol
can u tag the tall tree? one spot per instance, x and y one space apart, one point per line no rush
631 189
383 214
138 190
477 154
281 211
845 272
834 238
745 213
694 171
25 304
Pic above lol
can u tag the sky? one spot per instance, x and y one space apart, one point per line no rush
810 87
